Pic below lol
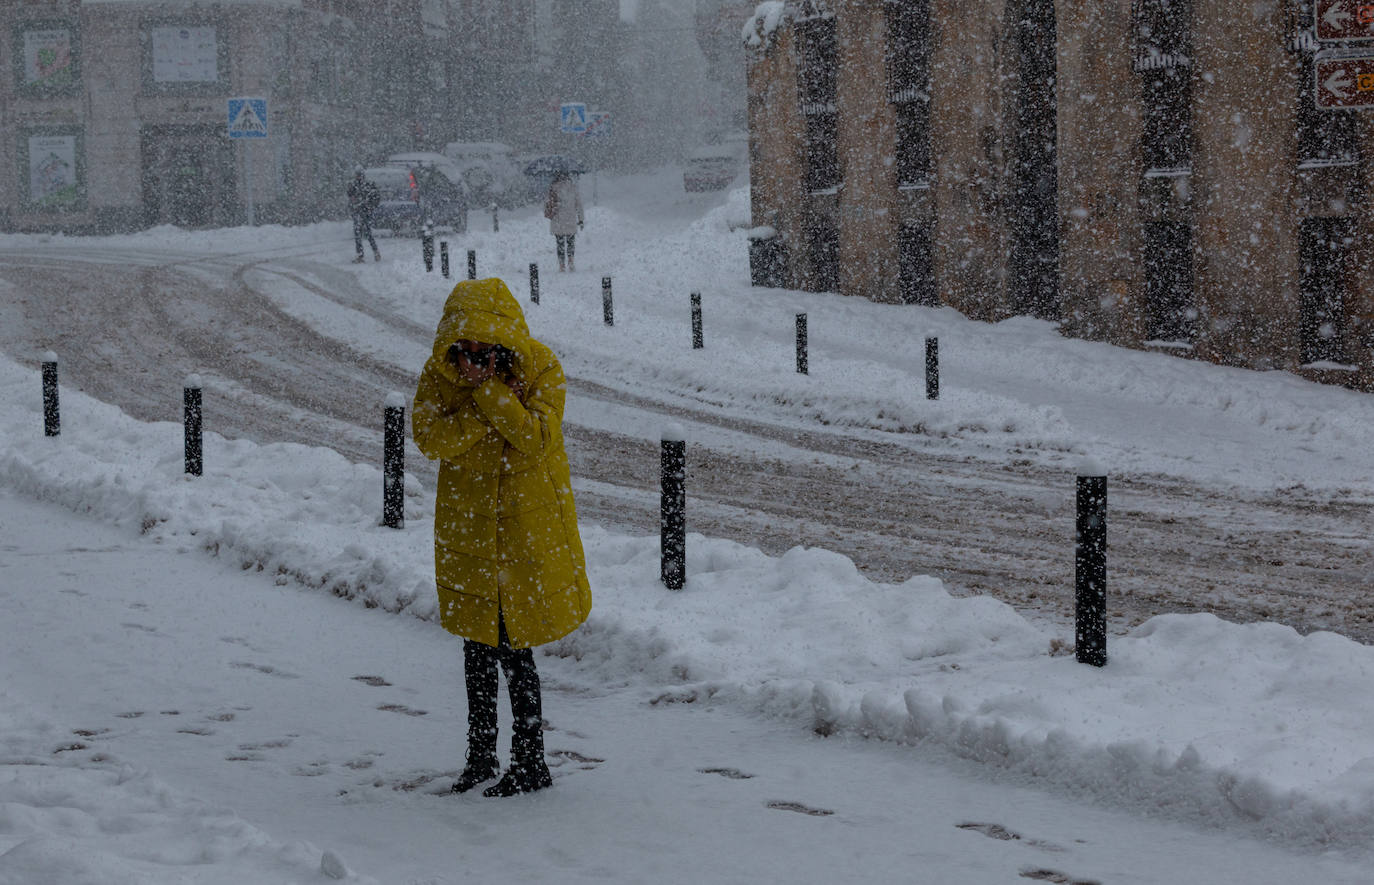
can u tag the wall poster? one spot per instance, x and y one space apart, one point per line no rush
49 58
52 172
187 54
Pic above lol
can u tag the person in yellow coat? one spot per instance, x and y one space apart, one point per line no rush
508 560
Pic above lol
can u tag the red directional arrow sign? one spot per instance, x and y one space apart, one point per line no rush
1345 19
1345 82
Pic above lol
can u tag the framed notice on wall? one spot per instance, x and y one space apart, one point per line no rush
52 170
47 57
185 54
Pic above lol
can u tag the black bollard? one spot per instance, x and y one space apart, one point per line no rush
1090 568
495 220
427 250
191 419
52 417
534 283
443 258
932 367
801 344
697 343
673 510
472 264
393 461
607 308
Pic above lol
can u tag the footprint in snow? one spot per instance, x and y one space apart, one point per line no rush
1056 877
799 808
375 681
732 773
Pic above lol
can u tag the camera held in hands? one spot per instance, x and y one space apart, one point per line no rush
501 359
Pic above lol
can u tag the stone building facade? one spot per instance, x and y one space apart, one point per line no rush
115 113
1154 173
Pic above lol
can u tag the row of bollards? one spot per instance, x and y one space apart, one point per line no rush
427 256
193 423
1090 548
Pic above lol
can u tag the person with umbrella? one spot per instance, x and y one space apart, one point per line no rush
563 209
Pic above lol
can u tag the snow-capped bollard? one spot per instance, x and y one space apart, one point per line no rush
495 219
443 258
673 509
607 308
534 283
1090 567
932 367
697 342
801 344
472 264
393 461
427 249
52 417
191 421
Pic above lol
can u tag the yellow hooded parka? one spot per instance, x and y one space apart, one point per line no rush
505 530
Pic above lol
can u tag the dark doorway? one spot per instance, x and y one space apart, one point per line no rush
189 178
1035 209
1326 244
916 270
1170 314
823 247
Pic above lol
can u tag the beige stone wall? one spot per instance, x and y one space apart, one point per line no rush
868 211
1245 89
777 143
1101 277
969 121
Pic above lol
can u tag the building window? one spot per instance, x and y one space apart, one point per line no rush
47 58
818 66
908 87
1326 246
1163 60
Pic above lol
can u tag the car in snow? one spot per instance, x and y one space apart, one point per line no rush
418 190
489 170
711 167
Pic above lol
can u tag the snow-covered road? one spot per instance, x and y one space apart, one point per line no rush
1216 505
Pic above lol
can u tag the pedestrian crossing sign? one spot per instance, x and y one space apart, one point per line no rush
247 118
573 117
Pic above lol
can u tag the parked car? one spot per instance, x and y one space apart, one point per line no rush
489 170
711 167
416 191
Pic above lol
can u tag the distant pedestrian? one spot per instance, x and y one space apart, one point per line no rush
508 560
363 199
563 209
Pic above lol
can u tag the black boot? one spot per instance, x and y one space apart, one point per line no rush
479 672
528 771
477 771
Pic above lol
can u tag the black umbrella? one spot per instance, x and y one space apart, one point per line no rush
554 163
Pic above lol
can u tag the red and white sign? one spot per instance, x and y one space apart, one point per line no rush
1345 82
1345 19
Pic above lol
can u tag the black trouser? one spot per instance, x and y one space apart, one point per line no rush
362 227
522 682
565 247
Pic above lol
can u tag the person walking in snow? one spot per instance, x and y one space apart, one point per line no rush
563 209
363 199
508 560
